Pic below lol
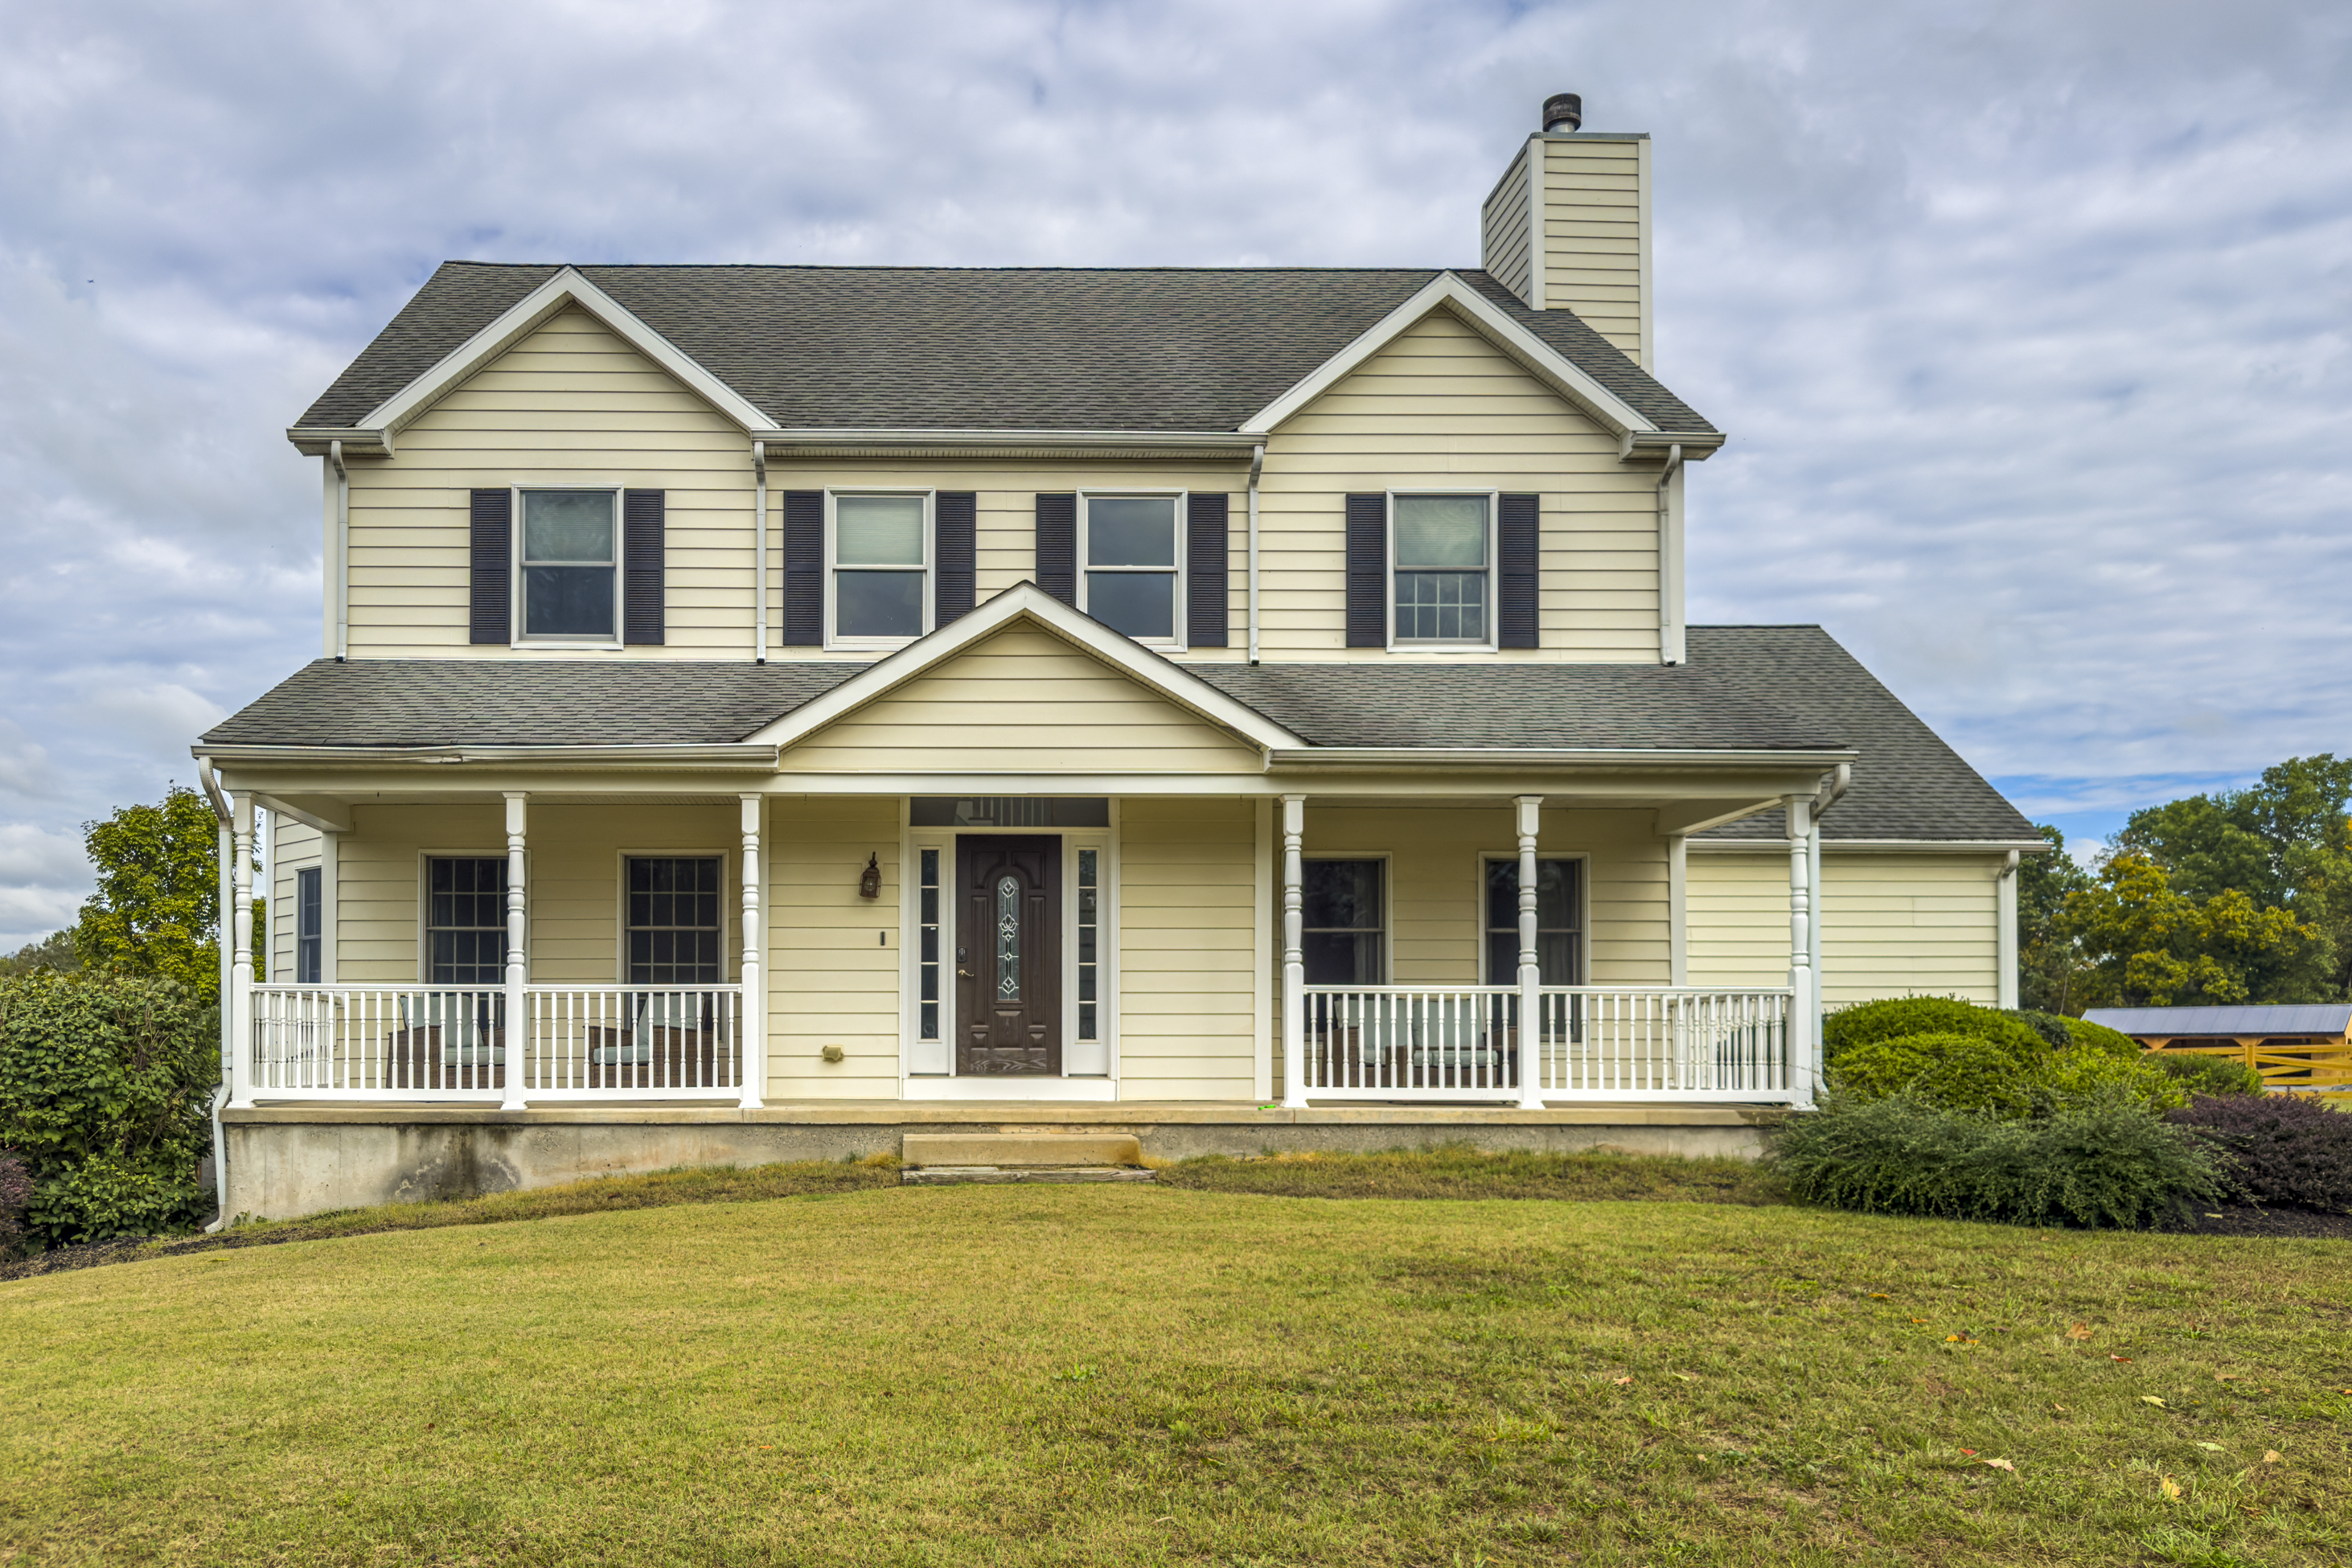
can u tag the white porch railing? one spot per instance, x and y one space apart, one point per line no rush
1592 1043
453 1043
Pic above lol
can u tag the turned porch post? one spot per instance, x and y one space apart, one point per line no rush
518 1029
1530 963
240 971
1294 955
1805 1002
752 1032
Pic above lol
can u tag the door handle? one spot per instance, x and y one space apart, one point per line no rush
966 974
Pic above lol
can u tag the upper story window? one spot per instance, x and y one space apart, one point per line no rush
1131 571
878 552
1442 569
570 577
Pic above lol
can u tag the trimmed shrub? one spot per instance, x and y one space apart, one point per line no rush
16 1192
1898 1016
2289 1150
2216 1076
2098 1036
106 1095
2093 1074
2105 1165
1956 1072
2049 1025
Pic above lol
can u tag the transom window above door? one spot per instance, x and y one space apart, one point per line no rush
1442 573
880 549
675 930
571 579
1130 549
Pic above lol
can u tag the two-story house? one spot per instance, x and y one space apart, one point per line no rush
766 709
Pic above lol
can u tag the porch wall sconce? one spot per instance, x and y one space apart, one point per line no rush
869 881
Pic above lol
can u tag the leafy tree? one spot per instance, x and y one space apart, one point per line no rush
158 901
2049 952
2146 943
55 950
2284 843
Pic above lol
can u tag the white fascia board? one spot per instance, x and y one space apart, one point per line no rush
1225 444
1320 757
1884 846
1029 602
742 754
568 286
1448 291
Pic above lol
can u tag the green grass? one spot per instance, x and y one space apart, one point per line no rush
1114 1374
1461 1172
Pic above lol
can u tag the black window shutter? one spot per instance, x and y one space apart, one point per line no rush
1518 570
1206 609
803 568
490 610
1368 571
1057 546
642 517
954 518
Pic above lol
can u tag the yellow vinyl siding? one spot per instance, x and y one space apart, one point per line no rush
1186 969
571 403
1023 701
1892 924
834 958
1592 235
1440 406
293 845
1505 228
1435 883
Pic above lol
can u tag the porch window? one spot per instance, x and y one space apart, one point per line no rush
1128 551
928 955
309 926
1344 925
674 935
1559 921
571 581
466 920
1089 949
881 567
1442 550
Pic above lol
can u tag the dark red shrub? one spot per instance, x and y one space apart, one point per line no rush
2288 1149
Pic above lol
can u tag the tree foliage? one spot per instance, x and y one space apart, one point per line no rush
55 950
157 907
2049 951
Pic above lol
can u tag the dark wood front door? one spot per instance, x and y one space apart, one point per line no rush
1008 955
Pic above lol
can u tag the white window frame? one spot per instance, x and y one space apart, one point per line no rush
425 859
1494 498
519 608
833 639
1179 619
1388 900
731 894
1583 908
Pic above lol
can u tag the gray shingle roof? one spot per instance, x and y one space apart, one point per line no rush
1907 784
570 702
1142 349
2310 1018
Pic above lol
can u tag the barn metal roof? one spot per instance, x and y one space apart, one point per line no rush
2330 1018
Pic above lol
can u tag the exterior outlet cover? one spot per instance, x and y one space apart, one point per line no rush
833 1053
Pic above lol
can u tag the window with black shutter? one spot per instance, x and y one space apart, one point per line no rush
1208 609
1368 571
1518 561
803 568
1057 546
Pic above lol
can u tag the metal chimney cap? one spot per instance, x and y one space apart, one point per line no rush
1563 112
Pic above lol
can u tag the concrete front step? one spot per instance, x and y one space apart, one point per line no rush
1013 1151
950 1175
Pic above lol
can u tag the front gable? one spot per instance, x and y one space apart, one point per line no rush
1022 701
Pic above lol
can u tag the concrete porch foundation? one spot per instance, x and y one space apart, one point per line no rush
285 1162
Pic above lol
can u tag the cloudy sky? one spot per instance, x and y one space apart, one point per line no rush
2029 321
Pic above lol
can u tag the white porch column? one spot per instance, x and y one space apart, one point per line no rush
1804 1004
517 1030
1531 965
1678 911
240 969
1293 955
752 1032
2005 934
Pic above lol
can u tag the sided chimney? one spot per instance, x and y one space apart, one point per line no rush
1568 226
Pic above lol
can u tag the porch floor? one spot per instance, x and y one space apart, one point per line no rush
1125 1115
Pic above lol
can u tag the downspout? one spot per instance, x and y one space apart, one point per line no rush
1257 465
343 563
759 553
1833 789
1670 562
220 1093
2005 986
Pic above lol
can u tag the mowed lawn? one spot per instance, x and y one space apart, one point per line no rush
1120 1375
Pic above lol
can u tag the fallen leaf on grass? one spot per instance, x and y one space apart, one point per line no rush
2225 1377
2078 1331
1880 1296
2210 1448
1963 1338
2272 1456
2151 1399
1686 1377
2171 1487
1621 1382
2111 1356
1999 1465
1918 1319
2055 1405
